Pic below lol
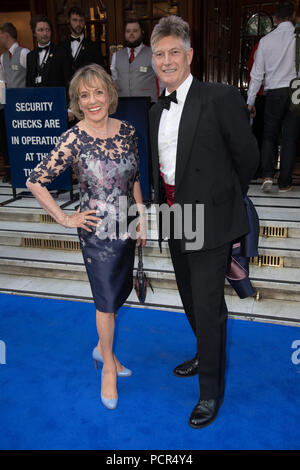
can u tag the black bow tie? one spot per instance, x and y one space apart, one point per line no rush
75 39
44 48
165 101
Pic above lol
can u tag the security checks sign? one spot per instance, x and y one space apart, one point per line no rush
35 118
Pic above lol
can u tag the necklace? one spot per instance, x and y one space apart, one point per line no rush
95 130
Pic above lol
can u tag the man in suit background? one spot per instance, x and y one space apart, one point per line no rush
203 153
132 67
46 64
79 50
275 65
12 75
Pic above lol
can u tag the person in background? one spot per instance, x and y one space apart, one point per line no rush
275 65
46 64
12 75
258 120
132 68
104 156
77 48
204 156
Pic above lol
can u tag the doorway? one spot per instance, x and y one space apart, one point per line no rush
106 19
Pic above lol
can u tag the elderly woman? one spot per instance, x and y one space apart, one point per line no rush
103 153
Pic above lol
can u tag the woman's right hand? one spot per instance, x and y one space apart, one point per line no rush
82 220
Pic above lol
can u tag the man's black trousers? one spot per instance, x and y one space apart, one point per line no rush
280 126
200 278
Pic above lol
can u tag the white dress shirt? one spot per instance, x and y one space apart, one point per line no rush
76 44
43 55
168 132
274 63
23 56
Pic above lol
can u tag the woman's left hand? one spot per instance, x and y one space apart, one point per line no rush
84 220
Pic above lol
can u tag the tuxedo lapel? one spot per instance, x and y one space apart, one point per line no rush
187 129
155 118
80 55
50 58
68 46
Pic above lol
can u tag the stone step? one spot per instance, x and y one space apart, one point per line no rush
272 311
269 213
15 233
278 283
21 219
286 248
255 191
32 234
12 217
282 206
70 265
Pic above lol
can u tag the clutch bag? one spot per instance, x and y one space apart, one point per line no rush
141 282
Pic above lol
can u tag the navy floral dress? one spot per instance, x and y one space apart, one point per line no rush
106 170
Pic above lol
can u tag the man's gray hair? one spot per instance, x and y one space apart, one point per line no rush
171 26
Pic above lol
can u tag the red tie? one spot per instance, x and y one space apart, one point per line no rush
131 58
10 55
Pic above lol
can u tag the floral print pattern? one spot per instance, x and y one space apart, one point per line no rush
106 169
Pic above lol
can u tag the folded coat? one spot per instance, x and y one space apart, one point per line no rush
243 249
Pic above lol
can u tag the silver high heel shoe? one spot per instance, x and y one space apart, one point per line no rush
98 358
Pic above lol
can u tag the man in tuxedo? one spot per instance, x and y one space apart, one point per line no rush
204 155
79 50
82 51
46 64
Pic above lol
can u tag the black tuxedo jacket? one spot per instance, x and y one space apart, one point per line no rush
55 73
90 53
217 156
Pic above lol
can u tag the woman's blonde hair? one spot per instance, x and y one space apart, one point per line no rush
87 75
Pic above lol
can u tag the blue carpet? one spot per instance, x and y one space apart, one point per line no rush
49 388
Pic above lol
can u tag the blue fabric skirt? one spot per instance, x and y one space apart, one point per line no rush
109 265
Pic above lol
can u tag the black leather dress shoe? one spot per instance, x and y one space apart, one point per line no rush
204 413
187 369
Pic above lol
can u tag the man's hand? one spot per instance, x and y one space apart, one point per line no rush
252 110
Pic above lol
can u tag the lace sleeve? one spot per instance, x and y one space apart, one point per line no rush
57 161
